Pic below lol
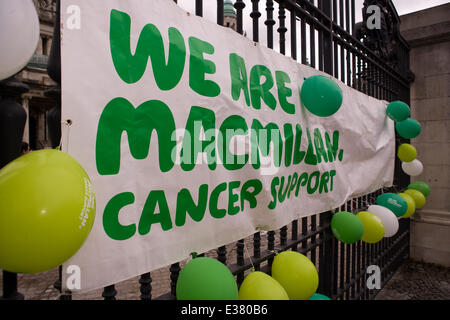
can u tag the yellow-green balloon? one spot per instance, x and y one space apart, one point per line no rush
418 197
296 273
406 152
260 286
373 227
47 208
411 205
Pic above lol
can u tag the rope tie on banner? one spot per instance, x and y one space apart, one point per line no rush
65 135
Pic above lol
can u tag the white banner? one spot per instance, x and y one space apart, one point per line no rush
169 115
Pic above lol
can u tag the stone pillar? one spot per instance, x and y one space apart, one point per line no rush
26 106
428 34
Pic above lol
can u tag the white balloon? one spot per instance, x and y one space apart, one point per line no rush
388 218
19 35
413 168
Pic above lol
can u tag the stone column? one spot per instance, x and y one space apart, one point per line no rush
428 34
26 106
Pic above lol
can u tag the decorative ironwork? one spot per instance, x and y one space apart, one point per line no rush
109 292
174 273
222 254
255 15
384 41
269 23
282 27
146 286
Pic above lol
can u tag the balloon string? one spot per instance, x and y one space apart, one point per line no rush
370 199
65 134
249 257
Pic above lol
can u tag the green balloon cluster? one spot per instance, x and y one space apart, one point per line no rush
47 209
294 277
206 278
406 127
321 96
414 197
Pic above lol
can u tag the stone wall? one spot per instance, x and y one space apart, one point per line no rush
428 34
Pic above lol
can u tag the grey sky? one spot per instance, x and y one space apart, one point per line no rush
403 6
210 12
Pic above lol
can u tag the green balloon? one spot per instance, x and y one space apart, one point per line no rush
398 111
393 202
420 186
321 96
47 209
409 128
347 227
206 279
260 286
318 296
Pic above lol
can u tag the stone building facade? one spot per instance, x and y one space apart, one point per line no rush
35 103
428 35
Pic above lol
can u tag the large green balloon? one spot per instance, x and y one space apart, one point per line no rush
409 128
420 186
318 296
373 227
418 197
206 279
393 202
296 273
47 208
260 286
398 111
321 96
346 227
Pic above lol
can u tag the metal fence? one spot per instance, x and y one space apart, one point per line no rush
323 34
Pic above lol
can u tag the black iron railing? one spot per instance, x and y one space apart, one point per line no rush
323 34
